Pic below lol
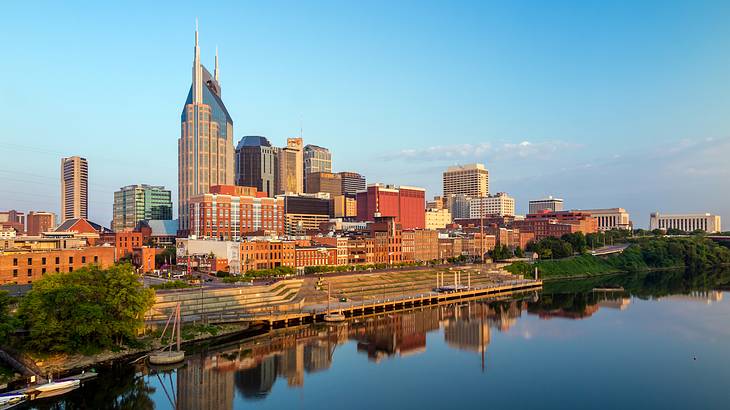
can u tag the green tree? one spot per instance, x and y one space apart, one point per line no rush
8 322
88 309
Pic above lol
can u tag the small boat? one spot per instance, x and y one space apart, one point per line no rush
54 393
9 399
58 385
167 355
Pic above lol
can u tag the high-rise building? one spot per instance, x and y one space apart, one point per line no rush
324 182
344 206
205 146
74 188
458 205
500 204
134 203
256 164
470 179
316 159
686 222
305 212
39 222
406 204
291 168
546 204
351 183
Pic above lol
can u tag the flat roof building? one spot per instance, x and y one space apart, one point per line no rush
134 203
706 222
500 204
74 188
610 218
545 204
470 179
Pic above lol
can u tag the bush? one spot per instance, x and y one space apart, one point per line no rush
172 284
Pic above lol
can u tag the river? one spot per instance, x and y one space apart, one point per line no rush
656 340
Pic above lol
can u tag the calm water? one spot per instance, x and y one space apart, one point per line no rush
664 342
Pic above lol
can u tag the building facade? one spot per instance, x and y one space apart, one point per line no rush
13 220
546 204
352 182
706 222
229 215
290 175
470 179
205 146
134 203
23 267
316 159
304 213
324 182
256 164
405 204
500 204
74 188
39 222
344 206
437 218
459 205
610 218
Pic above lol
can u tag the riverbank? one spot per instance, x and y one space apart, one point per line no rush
60 365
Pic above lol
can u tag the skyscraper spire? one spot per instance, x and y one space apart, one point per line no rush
215 73
197 71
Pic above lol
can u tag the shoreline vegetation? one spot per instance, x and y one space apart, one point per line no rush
642 254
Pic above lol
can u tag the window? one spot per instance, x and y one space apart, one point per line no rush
43 271
70 268
30 261
43 261
57 269
15 273
15 261
30 272
58 260
83 259
96 258
70 259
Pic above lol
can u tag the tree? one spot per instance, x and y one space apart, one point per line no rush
8 322
500 252
85 310
519 253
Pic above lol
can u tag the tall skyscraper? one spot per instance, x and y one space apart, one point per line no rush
316 159
351 183
134 203
291 168
74 188
205 147
256 164
470 179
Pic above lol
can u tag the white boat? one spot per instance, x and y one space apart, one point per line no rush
7 399
58 385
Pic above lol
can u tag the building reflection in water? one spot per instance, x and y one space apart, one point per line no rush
209 380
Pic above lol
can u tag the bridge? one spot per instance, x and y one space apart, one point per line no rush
609 250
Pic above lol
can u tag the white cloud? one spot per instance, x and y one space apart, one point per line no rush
482 151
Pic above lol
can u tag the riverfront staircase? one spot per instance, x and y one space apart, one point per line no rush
196 303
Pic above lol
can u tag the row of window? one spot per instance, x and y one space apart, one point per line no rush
57 260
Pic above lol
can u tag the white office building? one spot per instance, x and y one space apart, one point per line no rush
500 205
685 222
610 218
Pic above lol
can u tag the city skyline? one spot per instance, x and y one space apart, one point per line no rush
622 146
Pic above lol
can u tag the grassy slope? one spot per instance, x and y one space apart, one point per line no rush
578 266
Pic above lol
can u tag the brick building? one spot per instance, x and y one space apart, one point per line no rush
316 256
406 204
23 266
39 222
232 212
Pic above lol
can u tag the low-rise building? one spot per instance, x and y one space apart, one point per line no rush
315 256
546 204
344 206
437 218
22 266
39 222
609 218
706 222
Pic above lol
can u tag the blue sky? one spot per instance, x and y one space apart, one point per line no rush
622 104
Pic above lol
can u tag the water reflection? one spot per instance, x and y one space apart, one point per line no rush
249 370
